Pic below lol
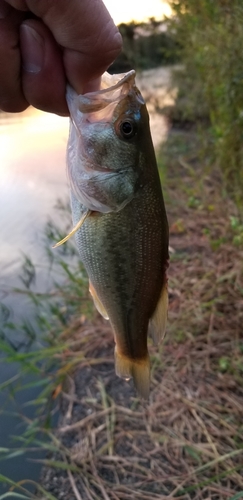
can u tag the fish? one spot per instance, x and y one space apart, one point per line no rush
119 217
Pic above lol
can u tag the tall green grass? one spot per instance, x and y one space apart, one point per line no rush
39 347
210 34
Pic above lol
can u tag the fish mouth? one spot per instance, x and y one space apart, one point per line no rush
113 89
113 82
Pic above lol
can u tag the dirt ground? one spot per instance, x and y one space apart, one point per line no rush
187 441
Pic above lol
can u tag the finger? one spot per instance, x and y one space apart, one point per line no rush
17 4
87 33
43 77
11 95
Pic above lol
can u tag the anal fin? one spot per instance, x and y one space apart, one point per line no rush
157 323
97 302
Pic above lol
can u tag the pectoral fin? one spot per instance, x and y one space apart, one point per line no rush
97 302
75 228
157 323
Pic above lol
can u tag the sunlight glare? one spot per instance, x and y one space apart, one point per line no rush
134 10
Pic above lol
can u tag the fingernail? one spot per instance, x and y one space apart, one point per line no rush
32 49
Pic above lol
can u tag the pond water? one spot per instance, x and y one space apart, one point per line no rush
32 178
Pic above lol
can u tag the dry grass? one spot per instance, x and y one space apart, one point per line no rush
187 442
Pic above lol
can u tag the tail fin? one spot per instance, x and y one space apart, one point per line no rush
139 370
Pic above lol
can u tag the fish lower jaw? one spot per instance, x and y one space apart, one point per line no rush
138 369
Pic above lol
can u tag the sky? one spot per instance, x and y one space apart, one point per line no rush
124 11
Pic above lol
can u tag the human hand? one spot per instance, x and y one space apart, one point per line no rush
45 43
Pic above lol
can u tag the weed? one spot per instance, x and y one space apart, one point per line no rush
42 349
210 86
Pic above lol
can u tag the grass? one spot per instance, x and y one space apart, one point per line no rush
210 36
187 442
40 348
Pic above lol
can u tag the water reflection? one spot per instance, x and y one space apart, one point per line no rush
32 177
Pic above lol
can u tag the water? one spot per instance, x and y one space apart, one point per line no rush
32 178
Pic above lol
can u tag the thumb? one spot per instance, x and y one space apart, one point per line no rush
85 31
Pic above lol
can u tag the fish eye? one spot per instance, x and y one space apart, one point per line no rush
127 129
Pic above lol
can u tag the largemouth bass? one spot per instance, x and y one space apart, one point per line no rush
119 213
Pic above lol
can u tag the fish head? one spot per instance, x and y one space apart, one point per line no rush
107 133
